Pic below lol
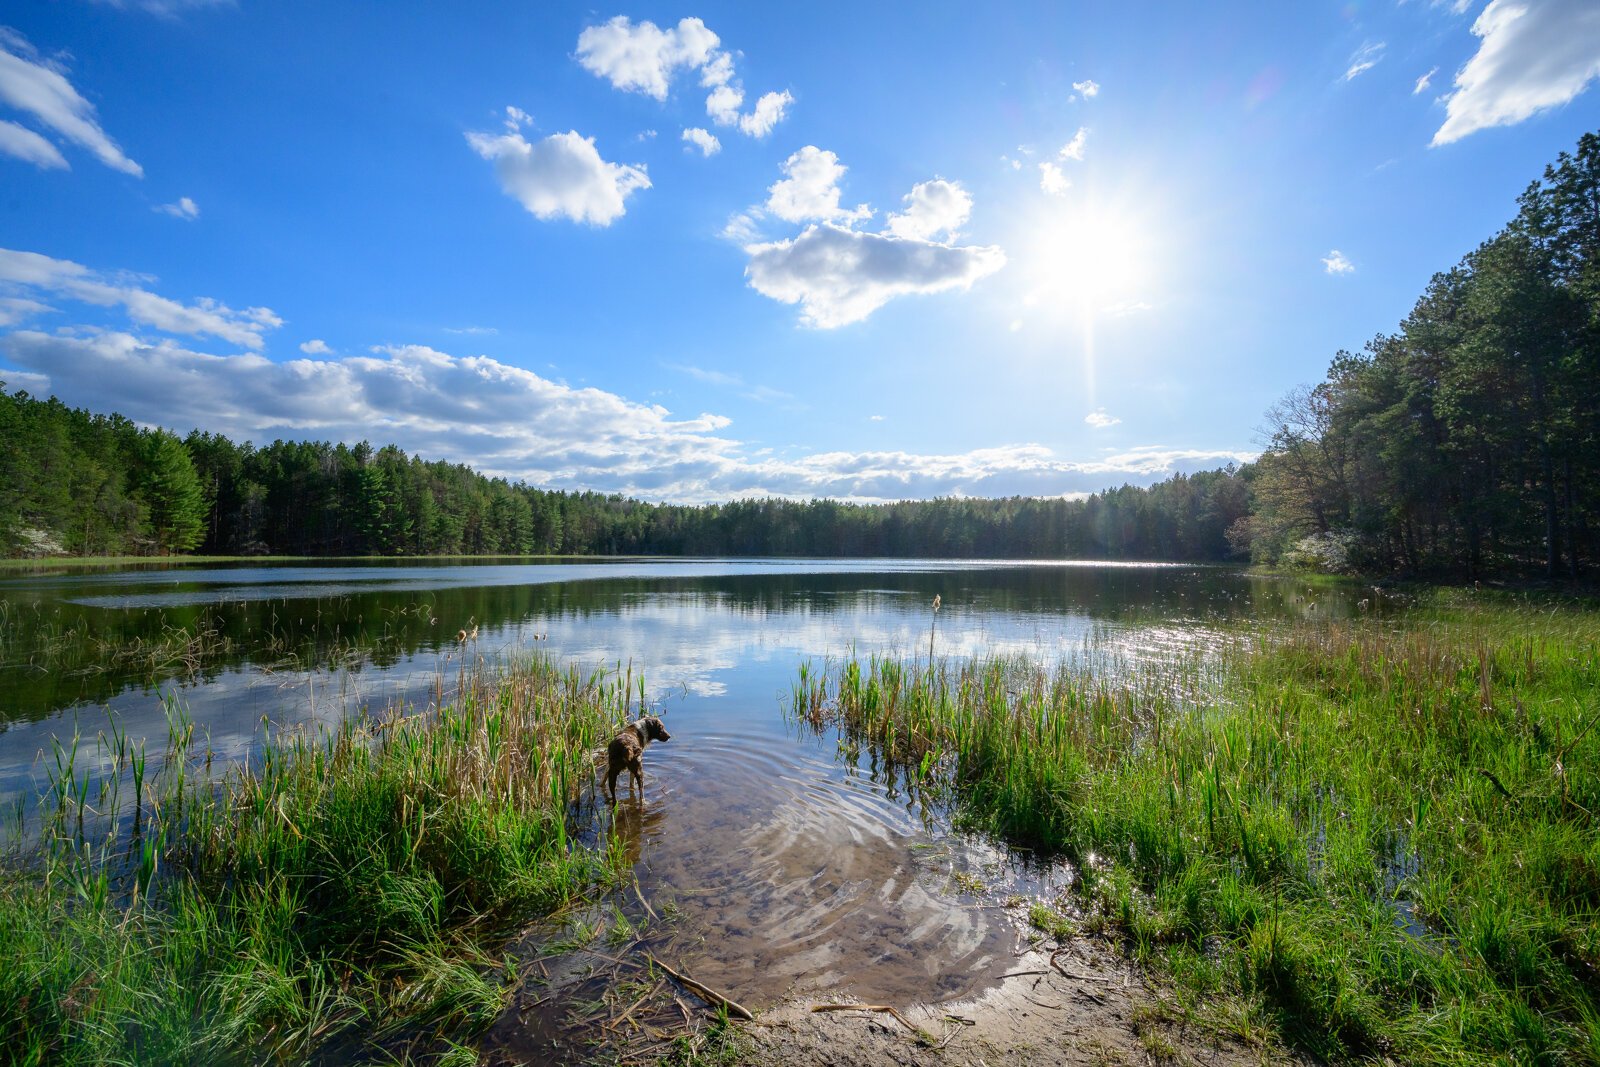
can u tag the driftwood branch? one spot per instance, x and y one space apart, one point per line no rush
705 992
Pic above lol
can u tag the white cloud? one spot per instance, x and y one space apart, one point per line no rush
511 422
1424 81
24 144
704 140
718 70
36 384
1364 59
769 111
184 209
875 418
724 101
560 176
643 58
472 331
811 190
932 208
30 272
14 309
840 276
723 105
1074 148
1088 88
1336 263
1052 179
1535 55
744 227
38 86
1100 420
316 347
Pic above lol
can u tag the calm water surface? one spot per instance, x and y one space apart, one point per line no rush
793 870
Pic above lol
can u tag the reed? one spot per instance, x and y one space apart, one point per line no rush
337 894
1369 839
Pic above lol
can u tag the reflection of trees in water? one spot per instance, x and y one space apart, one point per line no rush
54 653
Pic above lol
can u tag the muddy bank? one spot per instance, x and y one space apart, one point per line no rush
1040 1002
1084 1007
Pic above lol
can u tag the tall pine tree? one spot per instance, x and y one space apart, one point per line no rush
172 493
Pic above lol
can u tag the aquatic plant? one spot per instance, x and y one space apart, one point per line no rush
1375 839
340 889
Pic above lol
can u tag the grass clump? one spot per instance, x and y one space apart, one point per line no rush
1374 838
1050 922
337 894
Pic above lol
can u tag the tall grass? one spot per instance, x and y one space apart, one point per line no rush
338 893
1373 839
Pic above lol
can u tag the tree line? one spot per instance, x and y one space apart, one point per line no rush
1468 441
79 483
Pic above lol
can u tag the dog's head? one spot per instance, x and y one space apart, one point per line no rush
651 729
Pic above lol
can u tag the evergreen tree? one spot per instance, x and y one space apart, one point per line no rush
171 490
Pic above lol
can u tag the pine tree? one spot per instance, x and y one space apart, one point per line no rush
171 491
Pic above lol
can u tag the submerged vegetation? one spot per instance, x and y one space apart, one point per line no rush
1368 838
342 892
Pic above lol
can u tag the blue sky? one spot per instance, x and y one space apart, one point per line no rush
866 251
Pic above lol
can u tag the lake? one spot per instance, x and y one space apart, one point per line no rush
790 866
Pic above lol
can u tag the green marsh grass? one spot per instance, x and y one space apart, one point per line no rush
341 892
1366 839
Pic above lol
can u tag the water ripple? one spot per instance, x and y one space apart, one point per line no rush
794 876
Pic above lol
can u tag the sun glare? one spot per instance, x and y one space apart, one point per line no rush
1090 259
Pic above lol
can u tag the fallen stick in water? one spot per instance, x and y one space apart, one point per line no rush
704 991
867 1007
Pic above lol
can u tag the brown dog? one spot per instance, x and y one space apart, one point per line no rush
627 749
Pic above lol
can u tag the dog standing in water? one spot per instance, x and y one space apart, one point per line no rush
627 750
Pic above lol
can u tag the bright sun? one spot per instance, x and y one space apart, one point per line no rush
1089 259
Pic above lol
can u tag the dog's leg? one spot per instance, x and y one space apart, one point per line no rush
636 769
611 784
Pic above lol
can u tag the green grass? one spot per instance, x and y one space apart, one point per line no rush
1367 839
338 894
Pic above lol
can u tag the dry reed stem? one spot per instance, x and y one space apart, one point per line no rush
704 991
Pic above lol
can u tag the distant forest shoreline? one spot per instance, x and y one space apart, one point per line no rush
1465 443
